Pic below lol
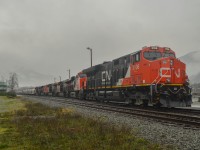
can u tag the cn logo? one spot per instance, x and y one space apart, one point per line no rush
105 76
178 73
136 67
165 72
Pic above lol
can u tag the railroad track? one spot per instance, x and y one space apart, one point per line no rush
180 119
187 111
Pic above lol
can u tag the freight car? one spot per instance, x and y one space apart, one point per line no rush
26 91
151 76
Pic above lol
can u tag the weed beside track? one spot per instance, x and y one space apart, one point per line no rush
41 127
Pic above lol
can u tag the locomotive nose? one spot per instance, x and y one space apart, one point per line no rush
166 66
172 71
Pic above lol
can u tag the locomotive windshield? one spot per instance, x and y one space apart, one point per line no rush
155 55
152 55
83 75
168 55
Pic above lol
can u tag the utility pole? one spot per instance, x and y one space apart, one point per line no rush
90 54
69 73
60 78
54 80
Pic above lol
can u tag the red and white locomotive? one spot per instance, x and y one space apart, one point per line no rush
151 76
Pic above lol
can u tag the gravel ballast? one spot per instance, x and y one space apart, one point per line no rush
156 132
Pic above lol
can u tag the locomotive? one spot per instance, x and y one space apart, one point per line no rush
152 76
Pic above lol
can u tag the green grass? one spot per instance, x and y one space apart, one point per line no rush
42 127
10 104
8 94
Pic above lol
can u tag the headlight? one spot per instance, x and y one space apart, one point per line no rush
187 82
164 62
154 47
171 62
168 80
167 48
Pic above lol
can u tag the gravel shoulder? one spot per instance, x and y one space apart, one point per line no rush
172 137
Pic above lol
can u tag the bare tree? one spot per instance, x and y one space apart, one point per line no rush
2 78
13 81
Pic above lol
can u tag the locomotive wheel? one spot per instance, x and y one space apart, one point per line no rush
133 102
145 102
64 95
130 102
80 96
101 100
158 105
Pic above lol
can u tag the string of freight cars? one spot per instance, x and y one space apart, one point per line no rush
152 76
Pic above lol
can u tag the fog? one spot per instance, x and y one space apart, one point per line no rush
42 39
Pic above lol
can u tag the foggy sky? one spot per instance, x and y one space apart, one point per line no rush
51 36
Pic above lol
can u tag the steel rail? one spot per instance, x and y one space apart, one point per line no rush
181 119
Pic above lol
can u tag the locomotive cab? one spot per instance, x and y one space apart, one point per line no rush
166 77
80 85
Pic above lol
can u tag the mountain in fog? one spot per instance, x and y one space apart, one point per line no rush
29 77
195 78
192 62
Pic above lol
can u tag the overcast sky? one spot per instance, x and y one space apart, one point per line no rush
51 36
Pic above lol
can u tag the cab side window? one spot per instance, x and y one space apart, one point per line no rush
137 57
133 59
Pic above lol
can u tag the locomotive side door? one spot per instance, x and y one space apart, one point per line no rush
136 69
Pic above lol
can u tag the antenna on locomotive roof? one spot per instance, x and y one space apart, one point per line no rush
88 48
144 47
69 73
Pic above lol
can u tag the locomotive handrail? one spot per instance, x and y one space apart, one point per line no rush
156 77
177 91
151 85
160 79
163 75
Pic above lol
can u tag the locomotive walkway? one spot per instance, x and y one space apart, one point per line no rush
180 117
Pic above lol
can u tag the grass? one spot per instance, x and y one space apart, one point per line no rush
42 127
10 104
8 94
